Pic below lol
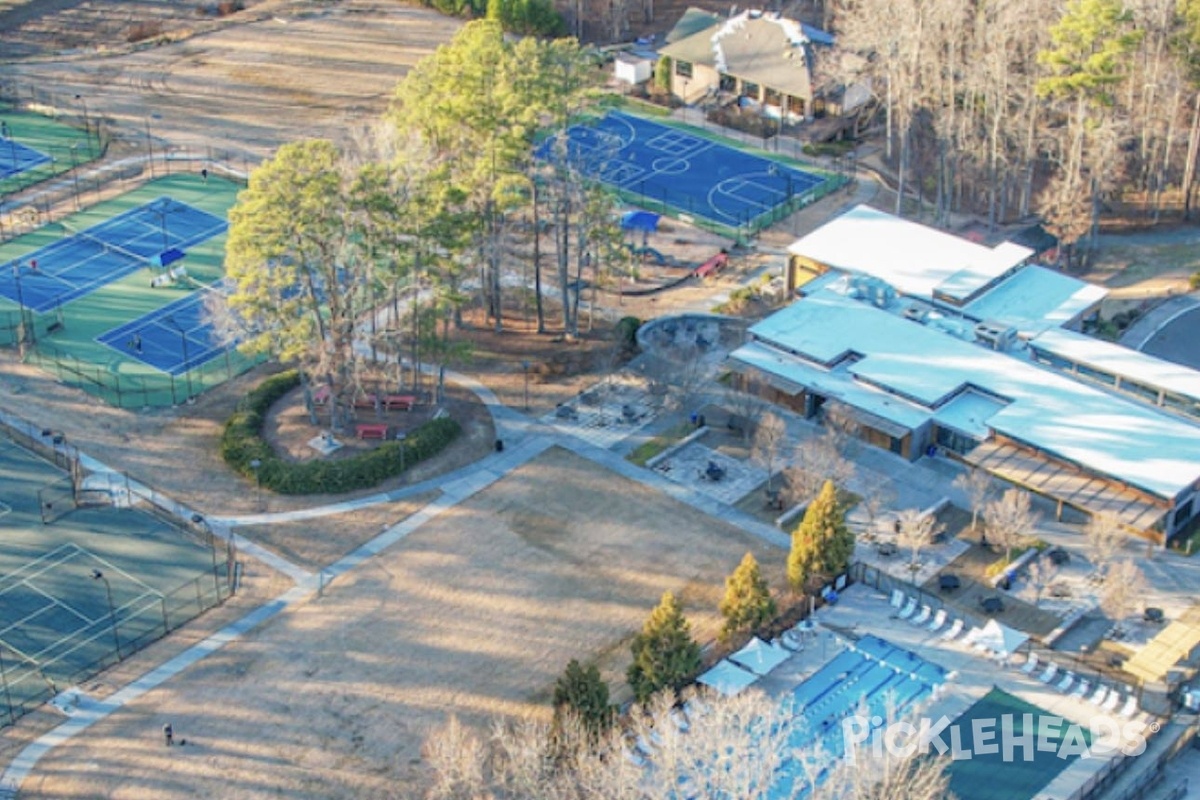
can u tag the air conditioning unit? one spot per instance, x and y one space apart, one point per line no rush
995 335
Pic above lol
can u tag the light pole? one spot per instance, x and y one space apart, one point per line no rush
21 338
525 369
97 575
87 126
162 223
187 371
75 172
256 465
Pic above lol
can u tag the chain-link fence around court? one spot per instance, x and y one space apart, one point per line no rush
28 682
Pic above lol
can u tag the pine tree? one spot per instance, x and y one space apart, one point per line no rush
582 692
823 543
664 654
747 603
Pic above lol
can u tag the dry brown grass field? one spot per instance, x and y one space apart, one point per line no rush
475 613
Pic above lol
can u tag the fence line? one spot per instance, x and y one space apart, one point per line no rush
26 683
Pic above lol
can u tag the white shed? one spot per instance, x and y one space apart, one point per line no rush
633 68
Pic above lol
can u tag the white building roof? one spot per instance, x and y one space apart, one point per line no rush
1036 299
1073 421
915 259
1117 360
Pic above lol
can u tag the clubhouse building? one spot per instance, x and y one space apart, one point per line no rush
929 343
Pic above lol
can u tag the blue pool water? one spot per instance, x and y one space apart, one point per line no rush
871 676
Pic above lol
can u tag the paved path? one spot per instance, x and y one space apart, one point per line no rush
1145 328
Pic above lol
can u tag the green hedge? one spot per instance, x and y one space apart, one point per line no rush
242 443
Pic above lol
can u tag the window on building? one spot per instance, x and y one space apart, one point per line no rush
728 83
683 69
773 98
954 441
750 90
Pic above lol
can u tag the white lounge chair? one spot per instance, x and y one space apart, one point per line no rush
897 598
1114 700
1049 673
908 610
1130 708
1099 697
1031 664
1081 690
923 617
954 630
1065 684
939 619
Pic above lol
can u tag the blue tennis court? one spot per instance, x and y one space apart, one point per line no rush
682 170
176 338
16 157
80 263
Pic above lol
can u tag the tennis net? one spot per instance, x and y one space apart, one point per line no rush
108 247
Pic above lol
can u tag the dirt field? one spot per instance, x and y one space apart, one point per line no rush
475 613
280 71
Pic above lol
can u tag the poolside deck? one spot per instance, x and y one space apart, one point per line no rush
862 610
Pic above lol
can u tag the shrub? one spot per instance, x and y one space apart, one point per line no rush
627 328
227 7
1194 281
242 443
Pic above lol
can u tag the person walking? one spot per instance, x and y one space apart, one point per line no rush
169 734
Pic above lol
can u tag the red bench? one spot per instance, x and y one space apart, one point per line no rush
371 431
364 401
712 266
399 402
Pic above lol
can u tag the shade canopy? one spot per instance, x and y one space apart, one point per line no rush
999 638
760 657
639 221
727 678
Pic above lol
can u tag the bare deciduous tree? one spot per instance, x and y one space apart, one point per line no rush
876 498
769 437
748 408
1042 572
1105 537
1124 590
917 531
977 485
816 459
725 747
1010 520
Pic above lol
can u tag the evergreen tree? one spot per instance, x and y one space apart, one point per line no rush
582 692
823 543
747 603
664 654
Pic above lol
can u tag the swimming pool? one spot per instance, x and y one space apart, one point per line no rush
871 675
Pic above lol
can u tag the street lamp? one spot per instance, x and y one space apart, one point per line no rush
87 126
256 465
97 575
525 368
183 340
75 172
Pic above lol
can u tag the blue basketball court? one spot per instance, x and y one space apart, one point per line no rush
16 157
685 171
176 338
82 262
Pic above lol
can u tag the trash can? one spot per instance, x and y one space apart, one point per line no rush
499 446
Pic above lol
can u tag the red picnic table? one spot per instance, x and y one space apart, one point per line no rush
368 430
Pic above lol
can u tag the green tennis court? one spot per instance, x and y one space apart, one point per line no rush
83 587
1008 776
69 339
65 147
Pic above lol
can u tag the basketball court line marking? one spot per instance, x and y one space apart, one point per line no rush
54 601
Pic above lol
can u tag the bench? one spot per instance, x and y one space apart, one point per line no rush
712 266
364 401
371 431
399 402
